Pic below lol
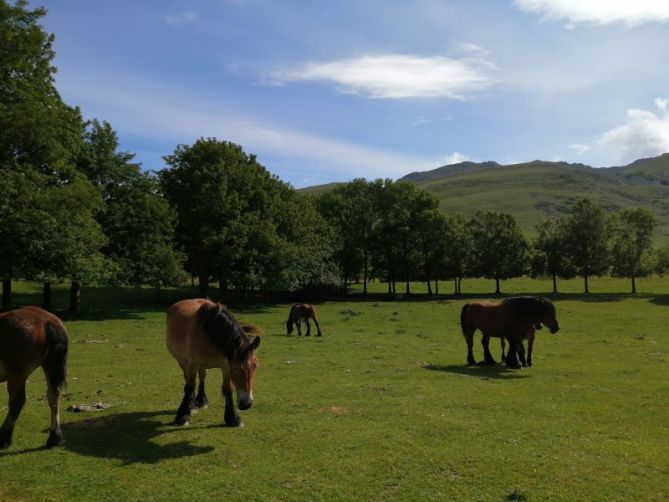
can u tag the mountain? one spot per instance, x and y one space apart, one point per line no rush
532 191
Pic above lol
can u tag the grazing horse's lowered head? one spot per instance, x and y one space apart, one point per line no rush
538 310
230 337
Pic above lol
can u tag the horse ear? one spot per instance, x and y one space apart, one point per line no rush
255 343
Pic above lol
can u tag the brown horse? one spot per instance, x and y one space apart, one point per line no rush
514 318
202 334
32 337
299 313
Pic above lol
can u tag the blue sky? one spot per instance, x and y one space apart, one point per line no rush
327 91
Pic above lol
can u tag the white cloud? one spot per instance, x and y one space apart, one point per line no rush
396 76
645 133
164 114
454 158
627 12
580 148
181 19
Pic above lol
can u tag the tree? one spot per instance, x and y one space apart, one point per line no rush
550 254
138 222
39 136
458 244
500 248
632 244
587 237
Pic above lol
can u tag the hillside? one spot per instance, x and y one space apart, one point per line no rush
534 190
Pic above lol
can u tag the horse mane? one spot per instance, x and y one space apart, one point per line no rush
529 306
223 330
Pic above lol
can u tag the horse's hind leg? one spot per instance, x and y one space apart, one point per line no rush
183 413
17 398
232 419
503 347
521 353
55 434
308 327
530 344
511 355
201 398
487 356
299 328
469 337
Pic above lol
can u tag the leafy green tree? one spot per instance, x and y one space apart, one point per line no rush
550 255
459 250
662 260
138 222
587 240
39 135
500 248
632 244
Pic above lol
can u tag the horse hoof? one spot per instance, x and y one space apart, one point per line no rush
54 440
181 421
5 444
236 422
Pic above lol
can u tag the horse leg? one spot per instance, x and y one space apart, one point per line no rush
503 347
299 328
183 413
232 419
17 398
521 353
511 359
201 398
308 327
55 434
318 328
469 337
530 344
487 356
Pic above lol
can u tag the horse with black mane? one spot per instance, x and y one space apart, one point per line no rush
202 334
32 337
299 313
514 318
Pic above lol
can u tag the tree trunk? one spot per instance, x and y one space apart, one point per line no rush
408 292
364 274
222 288
436 287
204 285
554 284
497 290
390 287
633 284
585 278
46 295
429 287
455 286
459 285
6 294
75 297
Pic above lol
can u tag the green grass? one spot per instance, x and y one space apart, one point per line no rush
381 407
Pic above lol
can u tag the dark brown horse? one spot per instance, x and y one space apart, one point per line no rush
299 313
515 319
202 334
31 337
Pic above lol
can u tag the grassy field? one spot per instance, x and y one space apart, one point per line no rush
381 407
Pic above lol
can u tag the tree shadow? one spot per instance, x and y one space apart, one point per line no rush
495 371
10 453
127 437
660 300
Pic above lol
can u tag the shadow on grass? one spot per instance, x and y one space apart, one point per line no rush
497 371
127 437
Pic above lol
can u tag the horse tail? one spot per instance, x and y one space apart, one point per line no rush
55 360
463 314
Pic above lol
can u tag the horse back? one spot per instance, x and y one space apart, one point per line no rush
302 311
493 319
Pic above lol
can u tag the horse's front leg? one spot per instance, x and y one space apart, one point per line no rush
17 398
318 328
503 347
299 328
55 434
487 356
183 413
232 419
530 344
201 400
511 355
308 327
521 353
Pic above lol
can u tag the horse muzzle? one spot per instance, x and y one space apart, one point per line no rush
244 405
244 400
555 329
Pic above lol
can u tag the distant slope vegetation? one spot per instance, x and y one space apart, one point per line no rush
532 191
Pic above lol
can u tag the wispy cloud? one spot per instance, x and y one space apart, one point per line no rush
580 148
645 133
396 76
627 12
453 158
181 18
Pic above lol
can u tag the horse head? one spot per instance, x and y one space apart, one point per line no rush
289 326
548 316
243 373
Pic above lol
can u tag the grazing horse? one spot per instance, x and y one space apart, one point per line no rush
299 313
32 337
514 318
202 334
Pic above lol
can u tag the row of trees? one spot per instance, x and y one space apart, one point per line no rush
74 208
395 231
